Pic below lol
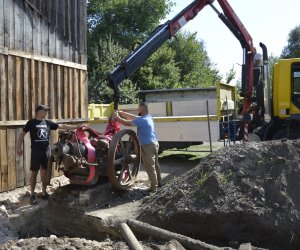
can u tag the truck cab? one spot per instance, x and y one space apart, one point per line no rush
285 119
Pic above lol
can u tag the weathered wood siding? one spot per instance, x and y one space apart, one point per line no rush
42 61
51 28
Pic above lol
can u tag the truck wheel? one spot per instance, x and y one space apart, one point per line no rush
253 137
293 134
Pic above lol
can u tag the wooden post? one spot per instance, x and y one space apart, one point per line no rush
3 87
3 160
10 87
45 91
70 94
26 89
59 92
129 237
32 87
208 124
11 159
66 95
75 94
20 173
19 101
27 158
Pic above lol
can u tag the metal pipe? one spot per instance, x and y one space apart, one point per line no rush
266 81
244 74
234 122
130 238
228 123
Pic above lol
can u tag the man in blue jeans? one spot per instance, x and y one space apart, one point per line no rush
147 139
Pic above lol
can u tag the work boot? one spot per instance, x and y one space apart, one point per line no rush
152 189
33 200
45 196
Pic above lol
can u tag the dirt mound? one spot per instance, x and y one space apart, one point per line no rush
65 243
243 193
53 242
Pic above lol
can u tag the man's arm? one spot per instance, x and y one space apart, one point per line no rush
128 116
20 142
68 127
122 121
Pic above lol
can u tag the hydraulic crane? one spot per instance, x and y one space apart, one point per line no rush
169 29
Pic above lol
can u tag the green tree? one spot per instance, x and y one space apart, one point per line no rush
159 72
103 55
272 60
230 75
292 50
191 58
127 21
114 26
180 63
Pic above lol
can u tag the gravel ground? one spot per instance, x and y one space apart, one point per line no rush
65 243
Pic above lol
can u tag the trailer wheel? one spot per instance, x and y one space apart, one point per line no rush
124 159
284 133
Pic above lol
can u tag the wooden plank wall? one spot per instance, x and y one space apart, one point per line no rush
54 28
42 60
23 84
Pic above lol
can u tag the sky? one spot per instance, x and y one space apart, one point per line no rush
267 21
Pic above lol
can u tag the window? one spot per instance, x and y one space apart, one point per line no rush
296 84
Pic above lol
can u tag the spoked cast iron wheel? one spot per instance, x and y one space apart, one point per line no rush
124 159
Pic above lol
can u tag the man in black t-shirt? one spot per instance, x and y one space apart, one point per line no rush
39 129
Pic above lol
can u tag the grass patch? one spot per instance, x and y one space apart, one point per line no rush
201 179
226 177
191 154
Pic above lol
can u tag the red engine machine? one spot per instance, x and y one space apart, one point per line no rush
85 154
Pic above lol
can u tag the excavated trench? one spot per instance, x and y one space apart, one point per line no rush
76 211
77 217
65 215
87 213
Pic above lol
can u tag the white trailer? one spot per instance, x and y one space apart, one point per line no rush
182 117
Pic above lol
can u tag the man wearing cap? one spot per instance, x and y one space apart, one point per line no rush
147 139
39 129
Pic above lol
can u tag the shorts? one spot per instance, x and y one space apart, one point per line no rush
39 159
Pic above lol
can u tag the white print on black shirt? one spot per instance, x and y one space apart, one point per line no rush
42 134
41 126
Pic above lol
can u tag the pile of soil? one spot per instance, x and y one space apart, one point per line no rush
243 193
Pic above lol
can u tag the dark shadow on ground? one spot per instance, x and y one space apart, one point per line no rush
179 157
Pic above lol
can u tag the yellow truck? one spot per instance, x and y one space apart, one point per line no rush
285 112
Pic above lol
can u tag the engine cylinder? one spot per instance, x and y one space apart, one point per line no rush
77 149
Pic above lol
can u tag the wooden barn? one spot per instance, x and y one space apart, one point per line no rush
42 61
